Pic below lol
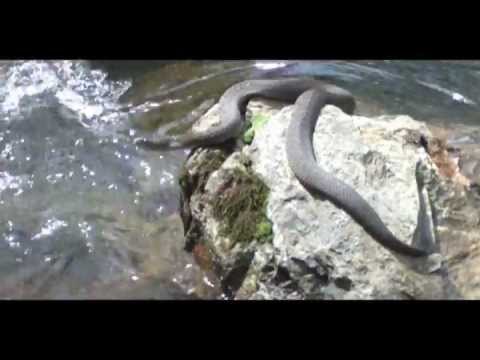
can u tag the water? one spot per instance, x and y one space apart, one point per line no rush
87 214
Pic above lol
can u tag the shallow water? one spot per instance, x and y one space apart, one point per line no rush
87 214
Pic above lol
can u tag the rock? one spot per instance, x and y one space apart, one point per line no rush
457 156
300 246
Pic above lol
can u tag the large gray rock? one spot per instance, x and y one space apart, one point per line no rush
317 250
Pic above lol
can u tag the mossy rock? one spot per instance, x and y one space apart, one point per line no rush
241 208
192 180
223 207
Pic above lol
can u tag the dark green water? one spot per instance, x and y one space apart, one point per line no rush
86 214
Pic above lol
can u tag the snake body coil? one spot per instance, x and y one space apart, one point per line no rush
310 96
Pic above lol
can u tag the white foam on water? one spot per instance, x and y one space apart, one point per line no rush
454 95
269 65
8 181
87 93
49 228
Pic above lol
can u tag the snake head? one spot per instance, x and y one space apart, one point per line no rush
164 143
157 144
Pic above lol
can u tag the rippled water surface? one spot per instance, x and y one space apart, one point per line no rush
87 214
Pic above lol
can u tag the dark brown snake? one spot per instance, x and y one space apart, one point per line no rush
310 96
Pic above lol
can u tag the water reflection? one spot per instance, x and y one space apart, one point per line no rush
77 199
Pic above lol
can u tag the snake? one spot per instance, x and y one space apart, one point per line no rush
309 97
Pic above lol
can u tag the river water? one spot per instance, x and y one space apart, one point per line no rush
87 214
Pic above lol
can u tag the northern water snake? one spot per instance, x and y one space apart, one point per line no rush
310 96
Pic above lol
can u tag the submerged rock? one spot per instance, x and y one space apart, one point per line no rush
262 235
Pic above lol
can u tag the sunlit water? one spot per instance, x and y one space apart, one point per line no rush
87 214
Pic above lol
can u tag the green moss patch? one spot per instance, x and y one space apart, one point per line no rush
254 125
241 209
